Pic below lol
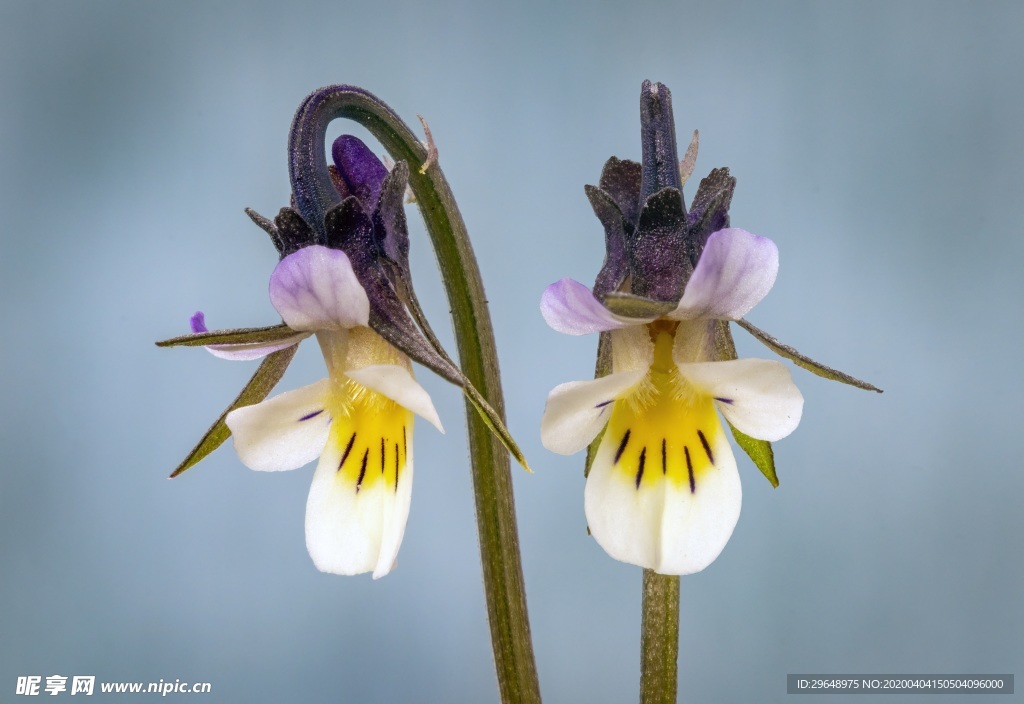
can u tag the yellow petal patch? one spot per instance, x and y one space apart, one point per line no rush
371 434
666 430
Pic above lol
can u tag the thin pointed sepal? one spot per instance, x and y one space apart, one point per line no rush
493 421
259 387
804 361
268 226
237 336
630 305
760 453
603 367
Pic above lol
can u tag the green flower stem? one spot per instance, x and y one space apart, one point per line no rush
492 480
659 639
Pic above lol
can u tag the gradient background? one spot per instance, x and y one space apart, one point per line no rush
878 143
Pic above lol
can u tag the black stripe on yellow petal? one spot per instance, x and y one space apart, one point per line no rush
362 470
689 469
707 447
398 464
348 450
622 446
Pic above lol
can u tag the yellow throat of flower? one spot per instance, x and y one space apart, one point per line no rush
370 433
666 429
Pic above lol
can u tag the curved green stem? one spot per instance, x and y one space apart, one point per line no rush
492 480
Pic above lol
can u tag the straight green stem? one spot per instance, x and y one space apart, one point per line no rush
492 481
659 639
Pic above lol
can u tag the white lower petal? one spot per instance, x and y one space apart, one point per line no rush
397 383
696 526
669 520
395 516
283 432
358 503
758 396
576 411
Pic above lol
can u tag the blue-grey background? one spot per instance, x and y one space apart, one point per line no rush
878 143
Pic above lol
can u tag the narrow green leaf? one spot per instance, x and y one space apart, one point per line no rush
804 361
271 334
759 451
262 382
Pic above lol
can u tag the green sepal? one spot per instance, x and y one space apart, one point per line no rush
603 367
629 305
493 421
238 336
262 382
803 360
759 451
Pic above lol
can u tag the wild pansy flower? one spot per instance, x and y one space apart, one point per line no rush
663 490
343 276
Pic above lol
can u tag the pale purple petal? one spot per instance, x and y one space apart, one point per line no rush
316 289
735 271
245 351
198 322
569 307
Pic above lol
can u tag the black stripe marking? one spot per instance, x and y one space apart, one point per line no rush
622 447
640 472
314 414
405 446
382 456
689 469
396 466
664 461
707 448
348 449
362 470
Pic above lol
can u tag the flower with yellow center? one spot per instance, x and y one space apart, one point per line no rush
663 490
343 276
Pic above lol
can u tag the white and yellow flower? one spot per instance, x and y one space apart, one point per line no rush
358 421
343 276
663 490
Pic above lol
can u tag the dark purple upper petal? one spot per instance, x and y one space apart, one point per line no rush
616 264
293 233
349 228
658 257
620 179
658 139
360 169
709 211
389 218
